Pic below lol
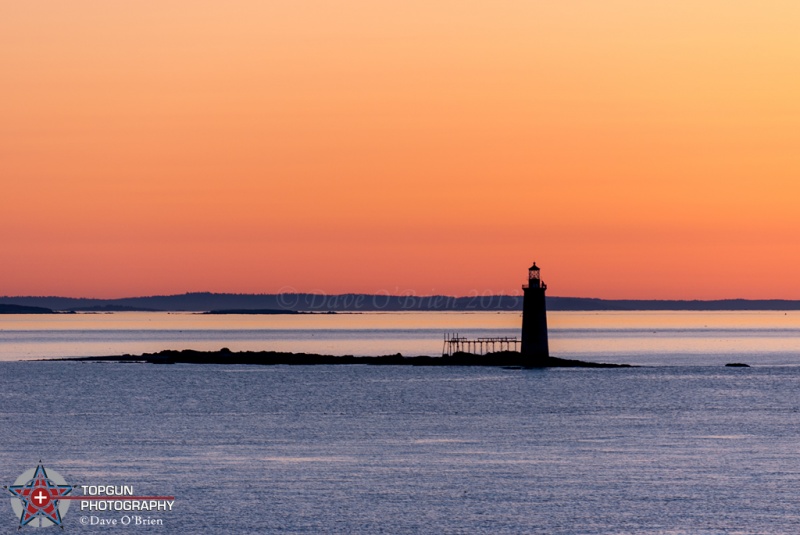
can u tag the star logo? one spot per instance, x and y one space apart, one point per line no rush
36 497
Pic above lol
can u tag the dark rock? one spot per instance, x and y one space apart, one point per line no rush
255 311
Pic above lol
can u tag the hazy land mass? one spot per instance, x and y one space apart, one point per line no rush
305 302
23 309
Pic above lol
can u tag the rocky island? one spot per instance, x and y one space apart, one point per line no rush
504 359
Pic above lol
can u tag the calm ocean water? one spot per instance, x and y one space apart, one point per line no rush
657 338
683 446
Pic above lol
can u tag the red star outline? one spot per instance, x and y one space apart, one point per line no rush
48 510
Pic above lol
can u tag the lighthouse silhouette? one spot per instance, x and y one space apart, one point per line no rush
534 347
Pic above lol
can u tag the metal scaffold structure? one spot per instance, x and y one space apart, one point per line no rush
453 343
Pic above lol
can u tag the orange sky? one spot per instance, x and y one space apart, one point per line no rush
634 149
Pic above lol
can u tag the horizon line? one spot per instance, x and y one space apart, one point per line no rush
392 295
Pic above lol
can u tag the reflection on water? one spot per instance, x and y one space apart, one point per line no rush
396 449
677 338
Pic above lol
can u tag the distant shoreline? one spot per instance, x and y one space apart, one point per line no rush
305 302
504 359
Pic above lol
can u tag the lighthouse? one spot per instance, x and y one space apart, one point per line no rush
534 318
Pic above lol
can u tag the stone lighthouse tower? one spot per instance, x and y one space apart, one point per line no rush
534 318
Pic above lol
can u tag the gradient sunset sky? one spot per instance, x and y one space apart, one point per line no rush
633 149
